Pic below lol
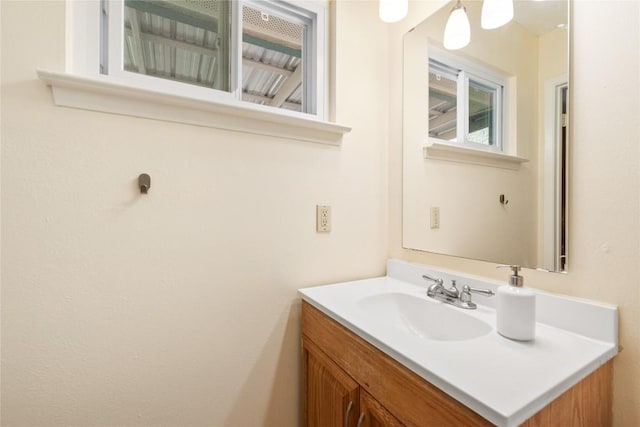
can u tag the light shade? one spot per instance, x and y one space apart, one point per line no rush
393 10
457 33
496 13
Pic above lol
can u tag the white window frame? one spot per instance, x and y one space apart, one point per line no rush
117 73
313 15
497 116
469 70
80 85
315 43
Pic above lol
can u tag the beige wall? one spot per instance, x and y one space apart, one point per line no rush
605 182
552 55
179 307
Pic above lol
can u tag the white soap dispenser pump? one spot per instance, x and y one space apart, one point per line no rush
516 308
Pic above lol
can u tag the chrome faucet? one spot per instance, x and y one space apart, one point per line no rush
435 280
439 289
452 295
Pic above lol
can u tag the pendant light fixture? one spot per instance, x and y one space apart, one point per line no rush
496 13
457 32
393 10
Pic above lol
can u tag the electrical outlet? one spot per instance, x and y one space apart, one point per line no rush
435 218
323 218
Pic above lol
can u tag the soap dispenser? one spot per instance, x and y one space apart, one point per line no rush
516 308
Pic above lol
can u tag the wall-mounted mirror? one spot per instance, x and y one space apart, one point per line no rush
485 142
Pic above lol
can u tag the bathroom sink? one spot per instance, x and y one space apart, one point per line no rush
424 318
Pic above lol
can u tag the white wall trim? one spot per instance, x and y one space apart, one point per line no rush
105 95
456 153
551 173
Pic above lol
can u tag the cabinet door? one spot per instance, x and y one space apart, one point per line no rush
373 414
330 397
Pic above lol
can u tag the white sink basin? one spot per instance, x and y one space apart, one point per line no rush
426 319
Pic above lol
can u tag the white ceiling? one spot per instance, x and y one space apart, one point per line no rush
541 16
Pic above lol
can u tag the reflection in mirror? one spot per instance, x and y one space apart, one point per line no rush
485 140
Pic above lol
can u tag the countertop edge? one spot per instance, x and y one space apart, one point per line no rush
534 407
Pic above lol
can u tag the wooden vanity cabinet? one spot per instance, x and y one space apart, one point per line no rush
346 382
333 398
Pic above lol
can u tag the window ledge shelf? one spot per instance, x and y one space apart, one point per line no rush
454 153
103 95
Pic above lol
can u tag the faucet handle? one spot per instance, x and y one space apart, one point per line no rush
469 290
465 295
436 280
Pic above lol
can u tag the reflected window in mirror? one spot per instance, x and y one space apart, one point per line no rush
481 112
443 101
465 103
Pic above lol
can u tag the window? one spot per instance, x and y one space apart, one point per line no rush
252 66
270 53
278 56
465 103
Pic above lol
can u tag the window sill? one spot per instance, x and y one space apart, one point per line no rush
454 153
99 94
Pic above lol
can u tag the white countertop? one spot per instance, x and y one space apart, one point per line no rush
505 381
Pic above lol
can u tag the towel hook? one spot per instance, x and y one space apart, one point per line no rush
144 182
503 200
